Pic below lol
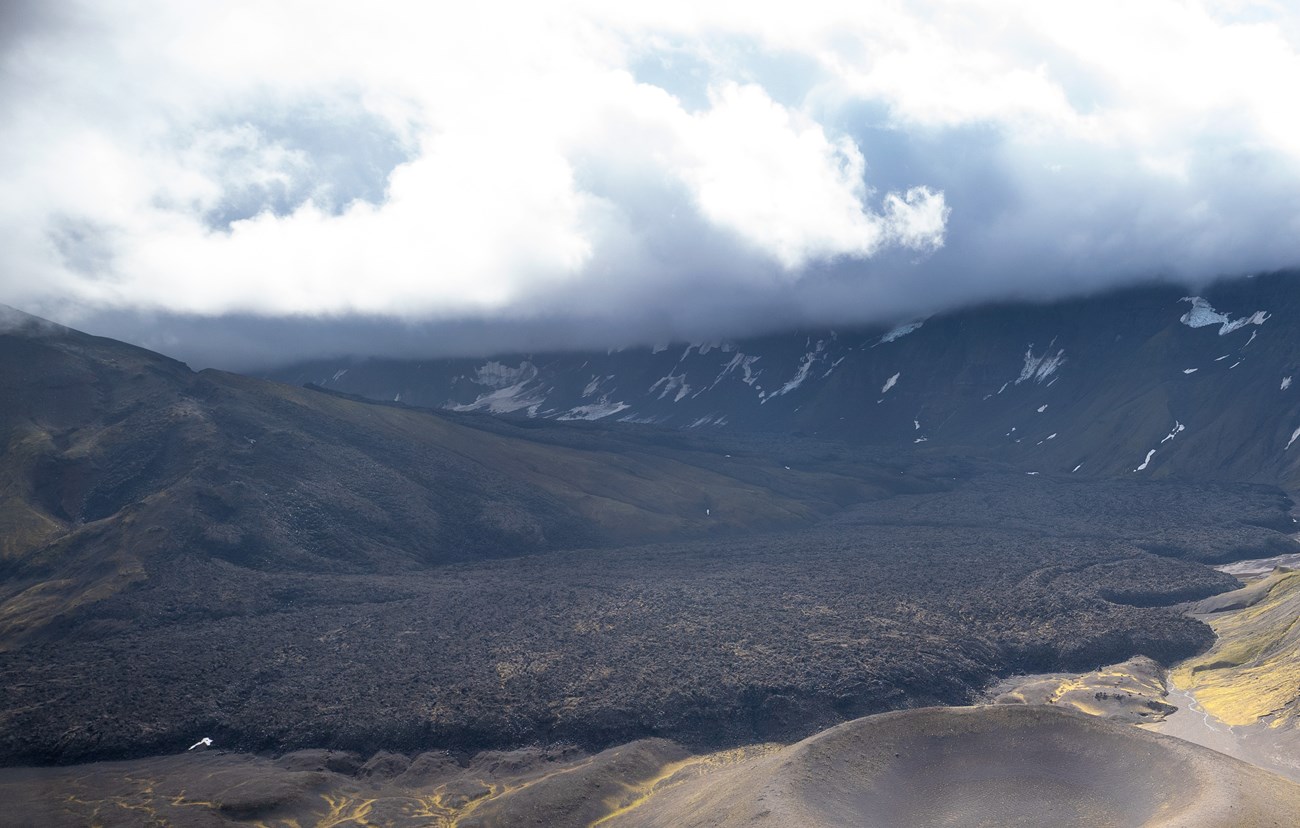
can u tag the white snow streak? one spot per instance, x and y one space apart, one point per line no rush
1203 314
1039 368
1294 435
670 383
802 374
511 392
1150 454
1286 383
891 382
594 411
902 330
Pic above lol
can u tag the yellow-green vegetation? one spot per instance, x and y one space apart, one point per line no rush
1252 674
676 773
1133 691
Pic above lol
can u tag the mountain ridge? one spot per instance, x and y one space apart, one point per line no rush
1089 386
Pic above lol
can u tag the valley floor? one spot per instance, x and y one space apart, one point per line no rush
1064 737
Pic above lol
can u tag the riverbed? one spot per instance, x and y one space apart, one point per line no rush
1274 749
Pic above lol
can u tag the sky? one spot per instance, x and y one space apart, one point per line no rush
240 184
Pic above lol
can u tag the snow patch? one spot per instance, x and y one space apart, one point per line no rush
1178 427
338 375
511 392
900 331
1052 436
741 362
834 365
802 374
658 349
1039 368
1203 314
1190 370
916 424
670 383
891 382
1042 408
1294 435
1286 383
1150 454
921 440
495 375
594 411
1076 468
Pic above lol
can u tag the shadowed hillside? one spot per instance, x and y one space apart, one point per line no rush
117 460
282 568
1143 382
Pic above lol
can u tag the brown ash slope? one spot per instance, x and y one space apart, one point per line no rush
987 766
206 554
990 766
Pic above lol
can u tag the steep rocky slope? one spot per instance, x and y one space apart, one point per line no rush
1150 382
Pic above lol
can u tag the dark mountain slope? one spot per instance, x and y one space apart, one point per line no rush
116 459
1090 384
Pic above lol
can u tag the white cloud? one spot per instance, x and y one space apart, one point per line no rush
777 179
433 161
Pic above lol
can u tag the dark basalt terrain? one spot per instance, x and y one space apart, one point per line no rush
708 643
280 568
